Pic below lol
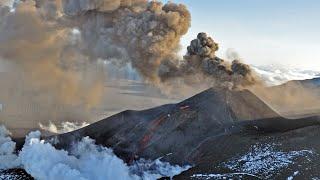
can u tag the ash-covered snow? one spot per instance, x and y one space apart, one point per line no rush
156 169
292 177
16 174
224 176
264 160
85 161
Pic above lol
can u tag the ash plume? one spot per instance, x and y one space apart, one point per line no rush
45 65
53 47
145 34
138 32
201 62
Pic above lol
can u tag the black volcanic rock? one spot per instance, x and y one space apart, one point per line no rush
265 156
15 174
182 129
173 128
221 133
314 82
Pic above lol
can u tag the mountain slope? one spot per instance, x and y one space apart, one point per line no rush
179 129
222 133
294 98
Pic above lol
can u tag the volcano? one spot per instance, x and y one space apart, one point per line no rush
175 127
205 131
222 133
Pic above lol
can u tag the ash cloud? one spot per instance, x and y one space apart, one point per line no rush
145 34
46 65
45 57
53 47
139 32
201 62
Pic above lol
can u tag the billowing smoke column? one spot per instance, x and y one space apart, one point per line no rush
201 61
201 57
140 32
147 34
54 45
49 77
47 56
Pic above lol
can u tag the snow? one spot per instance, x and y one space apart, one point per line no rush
294 174
223 176
14 175
156 169
10 177
264 160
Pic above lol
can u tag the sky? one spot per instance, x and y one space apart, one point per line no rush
262 32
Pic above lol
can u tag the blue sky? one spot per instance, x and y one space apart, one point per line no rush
285 32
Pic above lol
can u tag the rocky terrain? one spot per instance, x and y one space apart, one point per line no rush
219 132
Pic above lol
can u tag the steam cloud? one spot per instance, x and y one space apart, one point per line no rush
41 160
65 127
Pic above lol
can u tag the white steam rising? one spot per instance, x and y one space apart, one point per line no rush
63 128
7 157
84 161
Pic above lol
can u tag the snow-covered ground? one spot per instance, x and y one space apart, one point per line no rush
265 160
262 161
